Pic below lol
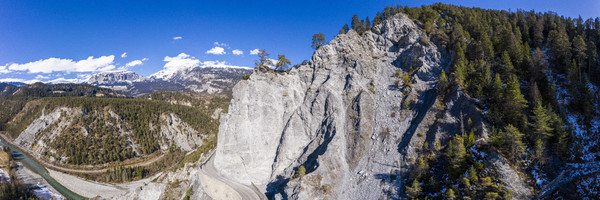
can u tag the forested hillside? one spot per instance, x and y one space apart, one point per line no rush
75 124
535 77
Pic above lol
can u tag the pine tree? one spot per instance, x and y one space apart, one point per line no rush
318 40
378 19
515 142
414 191
539 63
494 100
538 151
367 24
344 29
470 139
579 51
541 122
263 59
487 46
514 102
506 66
456 155
443 83
282 63
355 23
460 71
449 194
472 175
560 48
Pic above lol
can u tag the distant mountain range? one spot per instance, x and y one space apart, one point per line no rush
198 79
209 79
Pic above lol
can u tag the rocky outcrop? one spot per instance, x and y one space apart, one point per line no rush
115 78
174 131
347 117
38 137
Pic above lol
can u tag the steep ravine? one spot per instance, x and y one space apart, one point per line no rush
346 117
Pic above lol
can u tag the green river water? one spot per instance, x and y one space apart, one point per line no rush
36 167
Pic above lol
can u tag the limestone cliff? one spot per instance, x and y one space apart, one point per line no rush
347 117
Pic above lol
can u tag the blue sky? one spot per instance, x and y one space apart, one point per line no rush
71 31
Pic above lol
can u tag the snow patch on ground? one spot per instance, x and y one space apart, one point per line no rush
540 177
589 187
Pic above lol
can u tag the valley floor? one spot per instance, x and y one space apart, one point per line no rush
34 180
90 189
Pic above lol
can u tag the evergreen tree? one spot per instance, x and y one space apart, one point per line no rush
355 23
367 24
487 45
449 194
443 83
415 190
472 175
579 51
378 19
282 63
460 71
538 151
510 142
344 29
470 139
514 102
541 122
456 155
560 48
494 100
263 59
539 63
318 39
506 66
538 33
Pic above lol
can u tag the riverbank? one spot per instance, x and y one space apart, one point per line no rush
38 168
90 189
33 180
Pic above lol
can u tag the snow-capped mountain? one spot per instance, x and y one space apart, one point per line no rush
212 77
115 77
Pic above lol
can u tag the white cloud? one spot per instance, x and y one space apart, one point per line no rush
237 52
220 44
273 62
216 51
65 80
220 64
177 38
91 64
174 64
4 69
39 76
254 51
124 55
6 80
136 62
180 60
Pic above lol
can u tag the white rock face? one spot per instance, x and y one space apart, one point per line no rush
174 131
323 115
346 117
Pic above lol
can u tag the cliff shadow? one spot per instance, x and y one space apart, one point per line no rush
311 164
421 109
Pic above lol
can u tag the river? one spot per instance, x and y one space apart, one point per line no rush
36 167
